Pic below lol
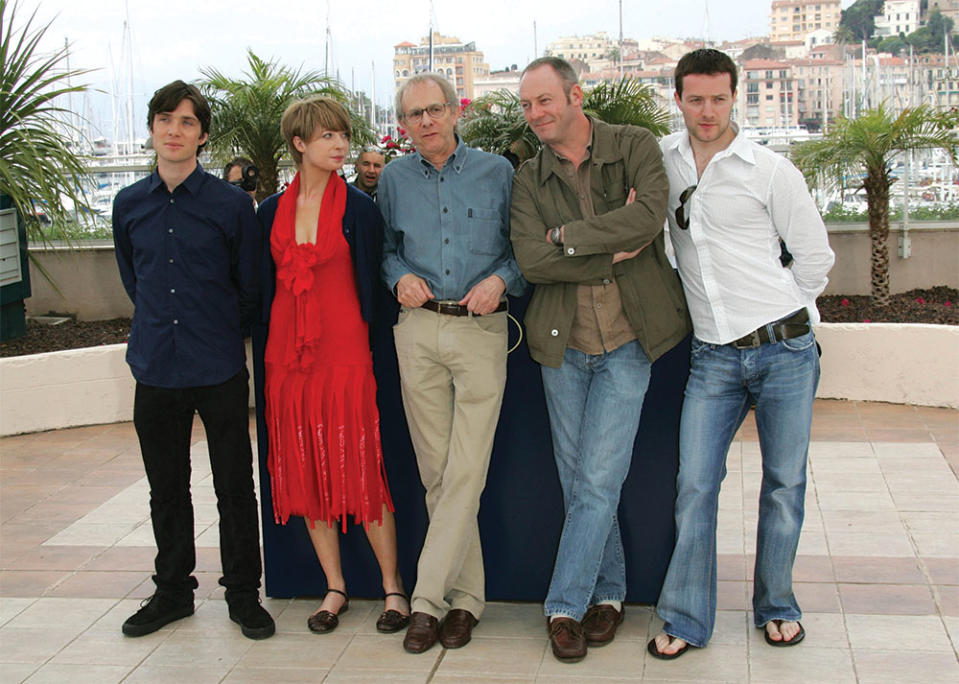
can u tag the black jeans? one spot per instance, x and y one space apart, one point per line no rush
164 420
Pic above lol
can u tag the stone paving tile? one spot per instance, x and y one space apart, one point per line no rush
908 632
28 583
10 607
512 656
97 584
802 663
880 570
54 673
943 570
947 598
893 667
887 599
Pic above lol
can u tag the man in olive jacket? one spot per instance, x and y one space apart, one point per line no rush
587 229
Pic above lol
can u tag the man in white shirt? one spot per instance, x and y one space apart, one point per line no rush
730 203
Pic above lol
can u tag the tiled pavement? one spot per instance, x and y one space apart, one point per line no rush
877 576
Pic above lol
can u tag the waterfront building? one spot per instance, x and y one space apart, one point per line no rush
792 20
589 49
497 80
767 94
461 63
948 8
819 89
898 16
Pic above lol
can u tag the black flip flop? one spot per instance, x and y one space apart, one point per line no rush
656 653
800 635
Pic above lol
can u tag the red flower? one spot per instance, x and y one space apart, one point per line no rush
866 320
844 302
947 303
386 138
920 300
400 131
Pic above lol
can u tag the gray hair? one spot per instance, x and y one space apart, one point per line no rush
560 66
448 92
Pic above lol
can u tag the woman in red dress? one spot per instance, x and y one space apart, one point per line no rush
325 459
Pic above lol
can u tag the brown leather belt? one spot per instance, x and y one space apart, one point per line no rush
791 326
456 309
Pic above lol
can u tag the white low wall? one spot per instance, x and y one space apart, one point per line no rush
900 364
68 388
893 362
65 389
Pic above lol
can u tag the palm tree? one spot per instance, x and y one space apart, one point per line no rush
627 102
495 122
39 170
869 143
247 112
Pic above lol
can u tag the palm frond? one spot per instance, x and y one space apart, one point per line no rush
38 169
495 122
247 111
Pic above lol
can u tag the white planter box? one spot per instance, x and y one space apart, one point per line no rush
69 388
895 362
65 389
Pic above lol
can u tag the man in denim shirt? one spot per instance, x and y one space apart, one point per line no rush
188 247
447 258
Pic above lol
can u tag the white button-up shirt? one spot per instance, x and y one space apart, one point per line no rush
747 199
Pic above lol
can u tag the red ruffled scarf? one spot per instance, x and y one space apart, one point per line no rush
295 262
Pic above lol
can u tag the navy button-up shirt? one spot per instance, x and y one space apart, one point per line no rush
188 259
450 227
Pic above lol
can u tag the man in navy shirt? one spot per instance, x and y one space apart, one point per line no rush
187 247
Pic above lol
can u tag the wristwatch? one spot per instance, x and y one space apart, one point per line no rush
556 236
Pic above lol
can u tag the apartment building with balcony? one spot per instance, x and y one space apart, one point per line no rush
792 20
461 63
767 94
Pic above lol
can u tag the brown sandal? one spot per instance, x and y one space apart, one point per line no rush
391 621
324 621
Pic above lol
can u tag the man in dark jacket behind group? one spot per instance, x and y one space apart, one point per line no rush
587 229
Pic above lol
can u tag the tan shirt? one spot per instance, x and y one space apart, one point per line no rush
599 324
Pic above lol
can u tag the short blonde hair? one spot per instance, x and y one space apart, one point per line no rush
303 117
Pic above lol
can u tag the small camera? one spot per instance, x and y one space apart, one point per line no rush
249 177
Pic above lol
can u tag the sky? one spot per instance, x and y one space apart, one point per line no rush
176 38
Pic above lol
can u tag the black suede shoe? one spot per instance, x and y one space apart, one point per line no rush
155 612
254 621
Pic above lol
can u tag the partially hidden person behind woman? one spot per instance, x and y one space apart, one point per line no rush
323 240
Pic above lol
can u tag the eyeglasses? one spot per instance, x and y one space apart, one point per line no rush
436 111
682 220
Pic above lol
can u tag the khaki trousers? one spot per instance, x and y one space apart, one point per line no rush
452 374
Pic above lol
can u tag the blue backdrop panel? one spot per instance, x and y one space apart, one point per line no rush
521 513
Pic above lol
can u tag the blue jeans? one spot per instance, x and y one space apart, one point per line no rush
781 379
594 404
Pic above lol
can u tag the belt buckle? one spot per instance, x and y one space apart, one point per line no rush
750 341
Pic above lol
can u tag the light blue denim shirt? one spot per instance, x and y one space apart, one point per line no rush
450 227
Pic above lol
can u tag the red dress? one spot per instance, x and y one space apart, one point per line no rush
325 458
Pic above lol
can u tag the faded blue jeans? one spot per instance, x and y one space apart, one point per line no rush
594 404
723 382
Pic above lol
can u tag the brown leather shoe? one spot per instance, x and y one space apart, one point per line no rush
457 629
600 623
422 633
566 638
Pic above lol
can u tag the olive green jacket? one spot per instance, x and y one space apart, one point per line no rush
622 157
